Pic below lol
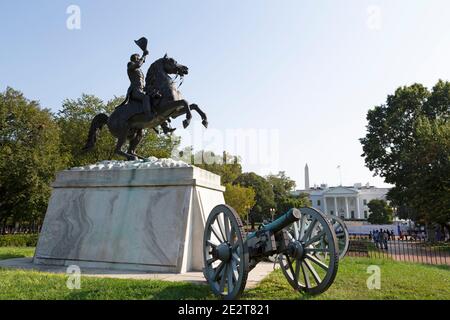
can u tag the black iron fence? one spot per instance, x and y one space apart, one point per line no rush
400 249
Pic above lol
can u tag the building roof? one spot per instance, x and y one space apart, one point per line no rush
340 190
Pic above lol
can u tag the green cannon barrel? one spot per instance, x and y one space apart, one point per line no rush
279 224
282 222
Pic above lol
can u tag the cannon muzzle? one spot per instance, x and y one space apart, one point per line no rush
282 222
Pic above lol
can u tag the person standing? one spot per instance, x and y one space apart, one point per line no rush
376 238
385 239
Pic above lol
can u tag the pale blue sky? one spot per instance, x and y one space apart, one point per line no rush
308 69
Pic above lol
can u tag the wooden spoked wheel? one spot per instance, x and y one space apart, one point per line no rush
225 253
341 231
311 262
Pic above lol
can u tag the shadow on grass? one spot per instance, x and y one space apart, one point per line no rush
137 290
184 291
6 256
256 294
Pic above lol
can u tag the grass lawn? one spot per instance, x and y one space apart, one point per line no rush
398 281
15 252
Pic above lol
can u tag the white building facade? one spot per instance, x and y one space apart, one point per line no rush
349 203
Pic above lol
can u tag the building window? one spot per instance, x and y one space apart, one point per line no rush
331 212
353 214
318 202
365 214
365 202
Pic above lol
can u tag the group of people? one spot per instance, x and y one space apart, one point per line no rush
412 235
381 238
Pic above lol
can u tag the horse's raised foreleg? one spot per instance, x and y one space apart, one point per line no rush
178 108
186 109
201 113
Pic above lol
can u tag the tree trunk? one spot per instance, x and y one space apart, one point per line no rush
2 227
430 232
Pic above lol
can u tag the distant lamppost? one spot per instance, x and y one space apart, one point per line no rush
272 212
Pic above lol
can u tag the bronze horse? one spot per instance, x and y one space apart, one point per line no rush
128 121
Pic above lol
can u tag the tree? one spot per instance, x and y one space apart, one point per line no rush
286 203
30 156
407 144
242 199
380 212
264 195
431 183
282 186
228 167
75 119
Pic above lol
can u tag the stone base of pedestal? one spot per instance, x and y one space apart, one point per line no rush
129 218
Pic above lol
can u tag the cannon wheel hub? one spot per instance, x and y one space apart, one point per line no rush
296 250
222 252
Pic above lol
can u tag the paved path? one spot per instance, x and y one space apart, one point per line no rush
254 277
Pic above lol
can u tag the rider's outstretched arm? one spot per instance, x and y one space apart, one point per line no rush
136 65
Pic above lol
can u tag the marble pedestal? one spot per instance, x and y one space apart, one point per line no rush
146 219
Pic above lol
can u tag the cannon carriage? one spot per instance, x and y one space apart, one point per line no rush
307 244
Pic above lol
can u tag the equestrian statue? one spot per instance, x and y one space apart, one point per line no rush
151 102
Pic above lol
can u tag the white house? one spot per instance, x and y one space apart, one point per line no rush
345 202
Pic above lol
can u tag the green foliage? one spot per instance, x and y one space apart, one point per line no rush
265 199
282 186
30 156
380 212
19 240
407 143
286 203
228 167
75 119
430 182
242 199
390 131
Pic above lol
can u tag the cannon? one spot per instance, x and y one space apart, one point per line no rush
342 235
303 239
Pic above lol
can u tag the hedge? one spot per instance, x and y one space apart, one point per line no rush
19 240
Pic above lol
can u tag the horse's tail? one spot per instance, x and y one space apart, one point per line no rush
96 125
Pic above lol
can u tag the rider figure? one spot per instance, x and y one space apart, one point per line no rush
137 85
137 82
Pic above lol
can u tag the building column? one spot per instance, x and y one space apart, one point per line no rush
325 205
358 215
346 208
335 207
